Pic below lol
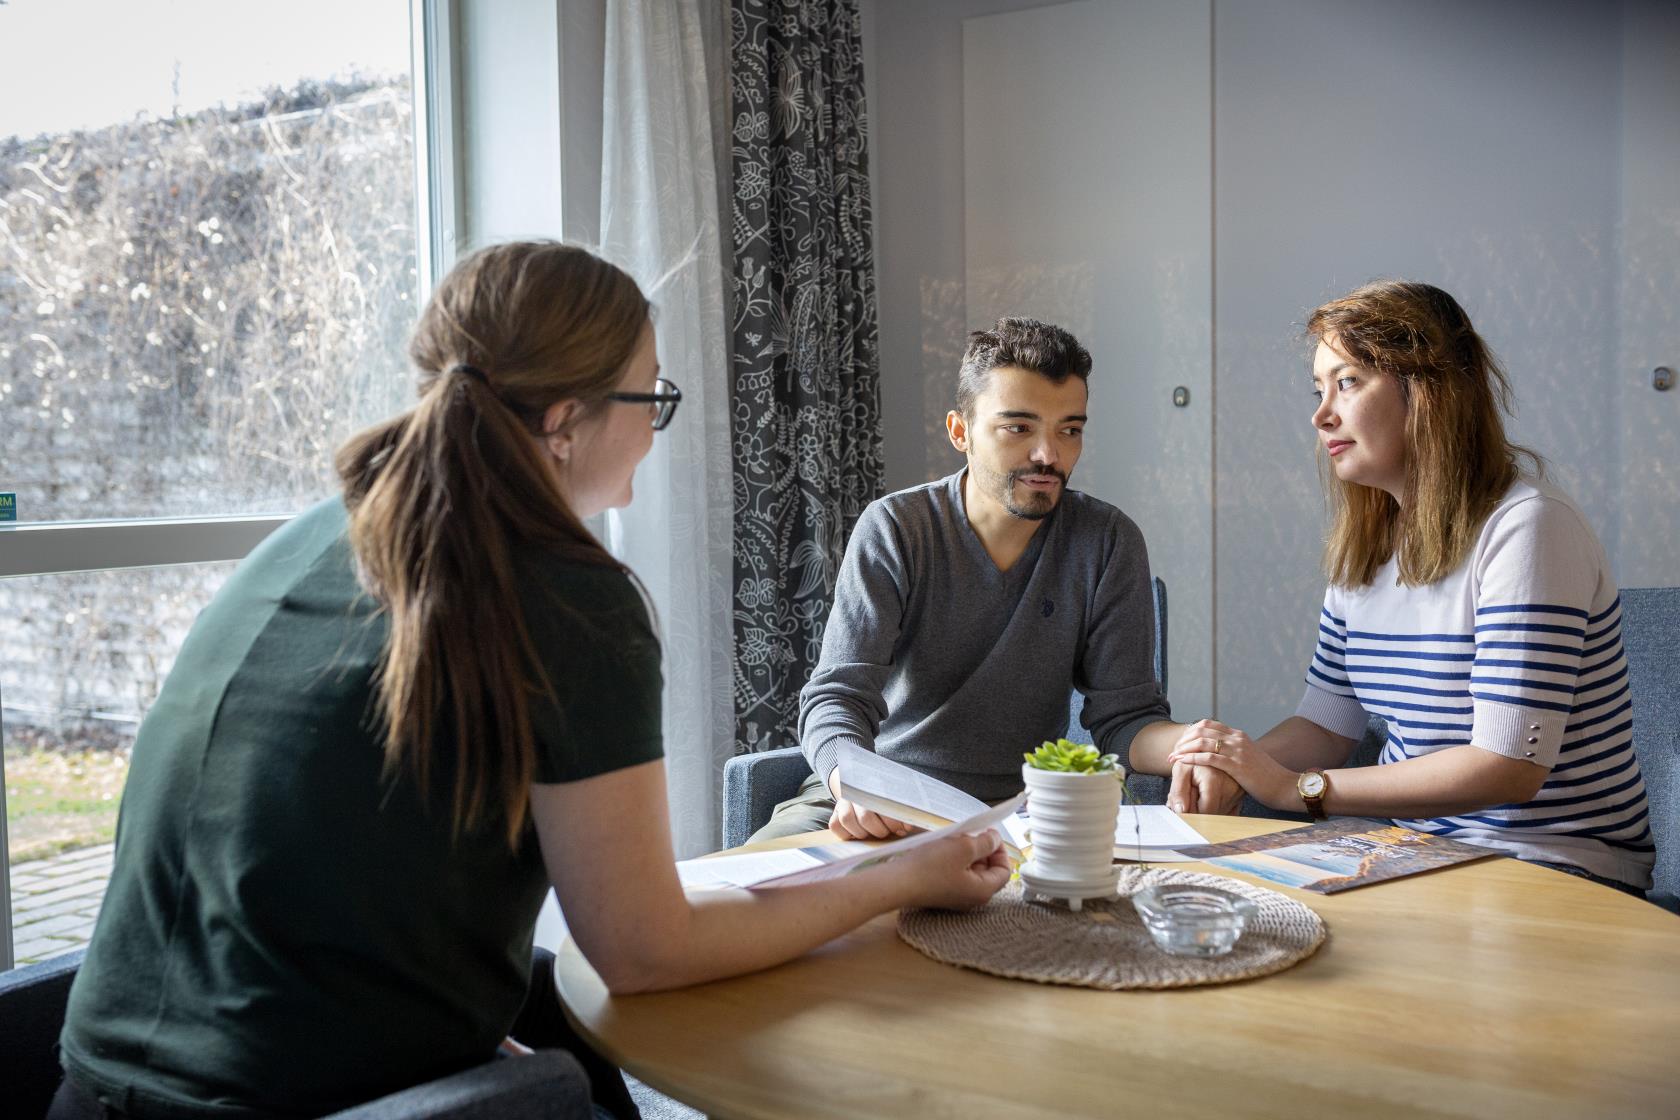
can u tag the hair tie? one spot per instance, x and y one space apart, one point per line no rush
471 371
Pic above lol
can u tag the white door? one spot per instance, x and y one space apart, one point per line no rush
1087 203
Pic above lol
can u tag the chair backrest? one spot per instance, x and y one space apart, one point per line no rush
546 1085
753 785
549 1085
1158 599
1147 789
1651 637
32 1002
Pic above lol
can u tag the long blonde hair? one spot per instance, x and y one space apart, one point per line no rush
1459 462
442 497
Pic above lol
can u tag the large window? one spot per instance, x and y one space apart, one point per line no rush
209 261
85 654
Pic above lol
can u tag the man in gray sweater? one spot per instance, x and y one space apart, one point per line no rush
967 609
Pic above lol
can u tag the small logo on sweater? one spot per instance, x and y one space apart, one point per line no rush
1048 607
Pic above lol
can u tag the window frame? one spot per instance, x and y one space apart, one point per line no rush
61 547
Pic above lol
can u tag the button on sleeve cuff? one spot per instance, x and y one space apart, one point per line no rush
1526 734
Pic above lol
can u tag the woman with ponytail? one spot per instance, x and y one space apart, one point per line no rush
1470 605
410 712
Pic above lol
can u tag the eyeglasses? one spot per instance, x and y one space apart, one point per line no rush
665 395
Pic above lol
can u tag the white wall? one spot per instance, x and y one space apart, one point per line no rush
913 71
508 120
1452 143
1087 130
1522 154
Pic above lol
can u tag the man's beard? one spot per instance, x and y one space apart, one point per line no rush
1038 504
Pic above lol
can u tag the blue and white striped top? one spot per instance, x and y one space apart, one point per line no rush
1518 652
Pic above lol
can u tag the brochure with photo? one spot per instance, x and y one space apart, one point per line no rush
1340 854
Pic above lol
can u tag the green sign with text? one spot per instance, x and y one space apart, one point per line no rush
8 507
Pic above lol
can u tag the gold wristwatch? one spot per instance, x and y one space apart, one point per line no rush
1312 786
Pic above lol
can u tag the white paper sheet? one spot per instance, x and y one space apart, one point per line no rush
1153 826
991 818
748 869
742 870
1146 833
1016 827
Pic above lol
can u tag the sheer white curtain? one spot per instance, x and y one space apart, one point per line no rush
659 220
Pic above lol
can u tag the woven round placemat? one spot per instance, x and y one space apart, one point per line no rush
1105 945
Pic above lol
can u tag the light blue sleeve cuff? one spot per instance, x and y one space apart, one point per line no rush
1339 715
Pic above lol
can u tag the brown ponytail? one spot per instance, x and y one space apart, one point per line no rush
442 497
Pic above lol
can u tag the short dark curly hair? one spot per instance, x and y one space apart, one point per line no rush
1043 348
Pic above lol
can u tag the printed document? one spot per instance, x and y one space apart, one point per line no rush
786 867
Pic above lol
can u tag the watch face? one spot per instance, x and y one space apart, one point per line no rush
1312 785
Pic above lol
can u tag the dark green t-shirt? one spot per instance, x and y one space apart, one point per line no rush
286 931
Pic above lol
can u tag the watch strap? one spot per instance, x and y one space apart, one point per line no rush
1314 802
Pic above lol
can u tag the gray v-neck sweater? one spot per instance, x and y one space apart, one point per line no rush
934 658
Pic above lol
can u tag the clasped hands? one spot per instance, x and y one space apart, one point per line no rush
1213 764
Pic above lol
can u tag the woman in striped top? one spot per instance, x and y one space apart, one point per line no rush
1470 605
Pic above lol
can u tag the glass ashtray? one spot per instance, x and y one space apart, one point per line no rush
1193 921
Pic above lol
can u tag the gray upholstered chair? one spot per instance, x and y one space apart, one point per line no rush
547 1085
754 784
32 1001
1651 636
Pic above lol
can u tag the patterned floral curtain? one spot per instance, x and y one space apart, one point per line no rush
806 405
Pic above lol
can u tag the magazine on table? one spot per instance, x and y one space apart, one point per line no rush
1338 855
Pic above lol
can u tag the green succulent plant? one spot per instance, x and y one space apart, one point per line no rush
1068 757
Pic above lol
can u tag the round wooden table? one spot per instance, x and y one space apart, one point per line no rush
1490 989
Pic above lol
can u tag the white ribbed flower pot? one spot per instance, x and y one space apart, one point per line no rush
1073 818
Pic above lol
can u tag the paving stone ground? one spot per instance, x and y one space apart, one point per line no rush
55 902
